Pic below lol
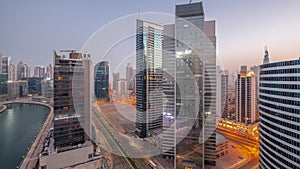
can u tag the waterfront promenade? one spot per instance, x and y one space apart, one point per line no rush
31 158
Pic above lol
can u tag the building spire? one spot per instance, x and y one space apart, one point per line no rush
266 56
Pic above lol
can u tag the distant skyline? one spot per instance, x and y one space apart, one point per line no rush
31 30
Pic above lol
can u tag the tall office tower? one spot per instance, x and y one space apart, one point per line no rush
129 75
12 73
49 73
39 71
3 83
149 37
266 56
101 84
5 63
279 106
195 51
116 76
169 115
23 71
222 94
246 96
122 87
72 98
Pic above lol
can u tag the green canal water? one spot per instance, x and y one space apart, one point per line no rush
18 126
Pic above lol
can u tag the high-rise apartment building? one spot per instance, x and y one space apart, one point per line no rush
67 145
12 74
101 84
149 37
122 87
222 93
72 98
39 71
129 76
49 72
116 76
279 107
23 70
195 51
5 63
246 96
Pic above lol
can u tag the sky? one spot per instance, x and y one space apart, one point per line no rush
30 30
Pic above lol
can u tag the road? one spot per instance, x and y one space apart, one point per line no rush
110 143
138 150
250 145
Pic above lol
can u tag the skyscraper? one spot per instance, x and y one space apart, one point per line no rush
122 87
23 70
279 107
102 81
49 73
169 115
149 37
5 63
39 71
129 76
222 94
266 56
246 96
195 51
67 145
12 74
72 98
116 77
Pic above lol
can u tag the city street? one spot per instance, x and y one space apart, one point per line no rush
121 145
249 147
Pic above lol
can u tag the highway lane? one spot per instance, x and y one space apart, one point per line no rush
111 145
140 151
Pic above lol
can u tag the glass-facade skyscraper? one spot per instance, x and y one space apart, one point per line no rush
279 106
195 51
149 37
101 84
246 96
72 99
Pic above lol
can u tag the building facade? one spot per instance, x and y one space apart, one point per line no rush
49 72
12 74
5 63
72 99
3 83
129 76
222 94
122 87
39 71
149 37
23 70
116 76
169 86
279 106
195 51
246 97
101 84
